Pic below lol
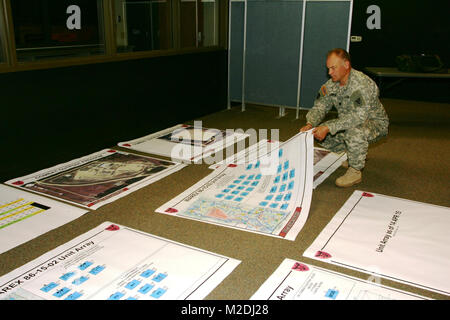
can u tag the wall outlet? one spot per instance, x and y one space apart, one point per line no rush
355 38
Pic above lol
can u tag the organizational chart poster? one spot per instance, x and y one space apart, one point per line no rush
325 161
97 179
398 239
294 280
24 216
113 262
270 195
187 143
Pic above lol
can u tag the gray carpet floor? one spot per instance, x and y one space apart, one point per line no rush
412 162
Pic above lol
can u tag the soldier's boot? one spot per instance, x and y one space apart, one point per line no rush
345 164
350 178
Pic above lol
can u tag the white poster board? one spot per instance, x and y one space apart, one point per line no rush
294 280
186 143
249 154
25 216
271 195
113 262
97 179
398 239
325 161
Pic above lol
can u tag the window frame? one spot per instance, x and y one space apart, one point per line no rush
109 25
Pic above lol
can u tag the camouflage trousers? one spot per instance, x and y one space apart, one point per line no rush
355 141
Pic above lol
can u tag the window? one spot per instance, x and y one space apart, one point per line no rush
209 23
60 32
143 25
199 23
48 29
2 35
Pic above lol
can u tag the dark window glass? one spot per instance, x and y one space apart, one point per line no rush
143 25
188 23
208 23
199 23
2 35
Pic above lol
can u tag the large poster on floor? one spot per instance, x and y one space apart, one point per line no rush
97 179
398 239
186 143
114 262
325 161
25 216
294 280
271 195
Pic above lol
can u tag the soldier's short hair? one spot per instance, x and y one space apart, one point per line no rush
341 53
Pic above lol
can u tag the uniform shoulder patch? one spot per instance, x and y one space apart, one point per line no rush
357 99
323 90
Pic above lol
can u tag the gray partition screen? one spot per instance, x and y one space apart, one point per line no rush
273 51
326 27
275 44
236 49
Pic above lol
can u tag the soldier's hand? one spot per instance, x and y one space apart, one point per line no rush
320 132
306 128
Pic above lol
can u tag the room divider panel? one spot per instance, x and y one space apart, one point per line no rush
277 49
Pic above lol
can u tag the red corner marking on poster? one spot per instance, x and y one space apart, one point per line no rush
300 267
366 194
113 227
322 255
171 210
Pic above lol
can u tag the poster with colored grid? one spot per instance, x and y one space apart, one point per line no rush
114 262
18 210
24 216
270 195
325 161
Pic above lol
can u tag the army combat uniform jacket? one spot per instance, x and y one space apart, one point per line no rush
361 116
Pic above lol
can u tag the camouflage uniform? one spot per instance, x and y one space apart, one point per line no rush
361 116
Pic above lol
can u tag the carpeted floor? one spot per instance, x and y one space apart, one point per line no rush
411 163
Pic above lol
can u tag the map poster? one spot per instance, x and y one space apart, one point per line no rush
97 179
25 216
294 280
114 262
398 239
186 143
271 195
